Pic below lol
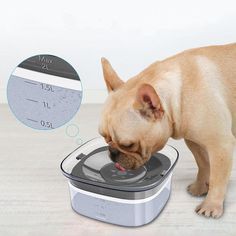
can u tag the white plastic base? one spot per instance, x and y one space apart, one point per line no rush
120 211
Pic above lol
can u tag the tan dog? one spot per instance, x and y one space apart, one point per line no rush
191 95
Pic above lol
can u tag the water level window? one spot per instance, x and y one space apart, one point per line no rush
44 92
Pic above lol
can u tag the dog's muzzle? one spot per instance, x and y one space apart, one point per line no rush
113 153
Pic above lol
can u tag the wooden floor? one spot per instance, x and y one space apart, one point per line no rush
34 196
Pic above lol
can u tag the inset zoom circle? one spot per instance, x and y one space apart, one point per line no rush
44 92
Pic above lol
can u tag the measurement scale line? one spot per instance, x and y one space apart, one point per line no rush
37 78
30 82
31 120
31 100
52 70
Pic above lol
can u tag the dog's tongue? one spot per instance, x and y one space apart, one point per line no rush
119 167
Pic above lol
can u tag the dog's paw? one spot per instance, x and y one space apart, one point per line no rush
208 209
198 189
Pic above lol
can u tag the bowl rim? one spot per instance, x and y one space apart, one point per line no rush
114 187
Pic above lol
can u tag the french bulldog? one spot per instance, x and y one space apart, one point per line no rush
191 95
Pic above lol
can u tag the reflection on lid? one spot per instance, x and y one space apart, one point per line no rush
98 160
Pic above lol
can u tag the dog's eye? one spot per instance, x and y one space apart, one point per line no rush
130 145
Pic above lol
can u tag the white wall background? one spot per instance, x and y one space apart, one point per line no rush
131 34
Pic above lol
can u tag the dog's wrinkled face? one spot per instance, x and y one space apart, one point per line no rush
133 122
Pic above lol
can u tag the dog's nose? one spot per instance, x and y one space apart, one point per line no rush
114 153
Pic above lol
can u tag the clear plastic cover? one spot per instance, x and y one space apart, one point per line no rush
90 163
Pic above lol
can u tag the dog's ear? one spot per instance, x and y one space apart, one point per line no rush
148 103
112 80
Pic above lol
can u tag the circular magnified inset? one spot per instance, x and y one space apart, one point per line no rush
44 92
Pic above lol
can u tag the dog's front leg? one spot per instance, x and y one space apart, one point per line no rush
220 157
200 186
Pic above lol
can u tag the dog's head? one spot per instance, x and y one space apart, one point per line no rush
133 121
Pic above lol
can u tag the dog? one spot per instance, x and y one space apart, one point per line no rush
191 95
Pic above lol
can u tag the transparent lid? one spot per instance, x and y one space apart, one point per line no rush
90 163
